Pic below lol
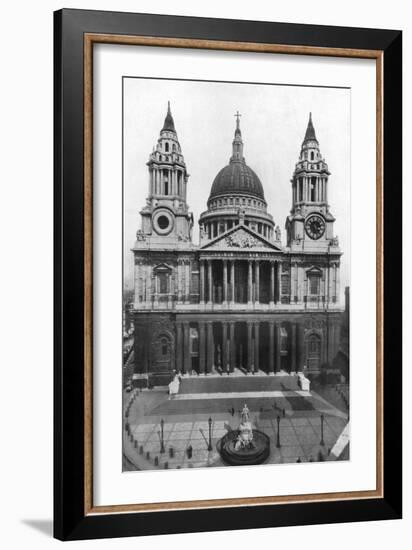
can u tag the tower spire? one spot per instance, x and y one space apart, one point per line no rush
310 134
169 124
237 143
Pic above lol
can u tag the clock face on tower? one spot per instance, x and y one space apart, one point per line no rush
315 226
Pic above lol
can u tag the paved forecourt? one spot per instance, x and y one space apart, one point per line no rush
186 427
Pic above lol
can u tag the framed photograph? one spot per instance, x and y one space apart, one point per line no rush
227 274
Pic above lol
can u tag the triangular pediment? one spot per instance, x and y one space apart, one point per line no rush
242 238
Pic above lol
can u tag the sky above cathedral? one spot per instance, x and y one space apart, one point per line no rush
273 124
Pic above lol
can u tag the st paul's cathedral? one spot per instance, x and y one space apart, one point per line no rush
239 302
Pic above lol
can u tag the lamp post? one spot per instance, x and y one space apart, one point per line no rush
277 435
322 442
209 447
162 443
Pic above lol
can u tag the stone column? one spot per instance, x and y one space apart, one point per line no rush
271 348
210 347
202 282
257 282
187 282
250 284
337 283
257 343
136 284
209 282
225 362
186 349
224 282
179 360
300 344
232 346
272 284
277 329
249 346
179 281
148 284
330 281
279 282
293 348
232 281
202 348
294 282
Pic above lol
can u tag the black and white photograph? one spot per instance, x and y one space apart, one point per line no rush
236 274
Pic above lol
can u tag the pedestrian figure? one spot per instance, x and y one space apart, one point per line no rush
189 451
233 411
284 413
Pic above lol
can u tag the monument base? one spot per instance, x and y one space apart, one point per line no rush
257 453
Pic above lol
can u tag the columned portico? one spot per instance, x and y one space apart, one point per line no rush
227 282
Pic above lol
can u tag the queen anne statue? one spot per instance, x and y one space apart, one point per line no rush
245 438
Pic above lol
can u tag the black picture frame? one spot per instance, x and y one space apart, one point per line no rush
71 522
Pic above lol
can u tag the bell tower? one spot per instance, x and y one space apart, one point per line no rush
166 218
310 223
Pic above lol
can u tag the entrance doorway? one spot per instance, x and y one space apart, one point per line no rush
313 352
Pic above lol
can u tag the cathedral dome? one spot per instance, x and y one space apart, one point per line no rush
237 178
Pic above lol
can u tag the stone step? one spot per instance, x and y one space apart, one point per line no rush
237 384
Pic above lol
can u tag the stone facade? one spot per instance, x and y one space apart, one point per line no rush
239 301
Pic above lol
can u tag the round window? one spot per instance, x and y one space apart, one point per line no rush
163 222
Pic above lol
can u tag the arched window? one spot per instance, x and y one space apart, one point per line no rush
312 155
166 147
